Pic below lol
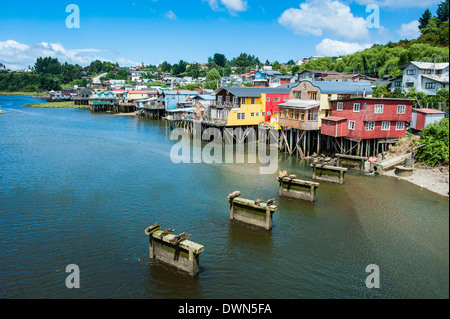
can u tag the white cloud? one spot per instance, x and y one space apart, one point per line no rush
330 47
409 30
330 17
170 15
233 6
18 56
400 3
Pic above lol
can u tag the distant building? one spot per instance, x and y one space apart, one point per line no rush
425 77
315 75
175 97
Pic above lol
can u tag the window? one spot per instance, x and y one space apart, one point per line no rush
264 114
257 114
252 114
277 99
296 115
219 99
429 71
268 99
228 99
285 99
378 109
340 106
291 114
385 126
370 126
430 86
303 116
241 116
351 125
401 109
329 97
400 126
252 100
312 95
409 84
235 100
243 100
356 107
398 84
411 72
312 115
297 95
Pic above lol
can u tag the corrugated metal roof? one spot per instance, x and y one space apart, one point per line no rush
252 92
429 111
342 87
300 104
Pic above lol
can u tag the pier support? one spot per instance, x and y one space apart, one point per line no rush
253 212
351 161
296 188
173 250
327 173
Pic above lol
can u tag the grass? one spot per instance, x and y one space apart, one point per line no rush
58 105
23 93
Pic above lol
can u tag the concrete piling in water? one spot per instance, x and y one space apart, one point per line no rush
327 173
174 250
253 212
292 187
351 161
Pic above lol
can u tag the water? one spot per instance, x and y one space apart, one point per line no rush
81 188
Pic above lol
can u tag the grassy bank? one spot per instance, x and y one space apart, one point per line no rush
58 105
23 93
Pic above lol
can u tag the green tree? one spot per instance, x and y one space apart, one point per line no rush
122 74
425 19
443 11
165 67
220 60
213 79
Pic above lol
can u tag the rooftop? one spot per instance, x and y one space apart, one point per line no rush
342 87
251 92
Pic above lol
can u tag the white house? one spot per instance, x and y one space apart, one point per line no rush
427 77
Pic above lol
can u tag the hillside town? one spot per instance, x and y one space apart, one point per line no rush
324 104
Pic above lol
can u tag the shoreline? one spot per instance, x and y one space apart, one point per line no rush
58 105
433 179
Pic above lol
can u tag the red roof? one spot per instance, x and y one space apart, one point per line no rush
334 118
429 111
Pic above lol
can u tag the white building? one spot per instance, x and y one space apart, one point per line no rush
427 77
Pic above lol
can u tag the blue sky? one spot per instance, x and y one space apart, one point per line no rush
151 31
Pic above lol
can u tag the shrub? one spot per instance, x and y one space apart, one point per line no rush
436 140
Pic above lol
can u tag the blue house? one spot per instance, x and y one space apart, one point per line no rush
175 99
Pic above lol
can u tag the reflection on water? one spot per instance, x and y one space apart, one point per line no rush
81 188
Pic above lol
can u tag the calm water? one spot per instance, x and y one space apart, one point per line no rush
81 188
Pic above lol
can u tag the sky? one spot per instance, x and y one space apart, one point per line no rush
133 32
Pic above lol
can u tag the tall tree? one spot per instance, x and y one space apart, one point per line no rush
442 11
220 60
425 19
212 79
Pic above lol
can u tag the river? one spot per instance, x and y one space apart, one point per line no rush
81 188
